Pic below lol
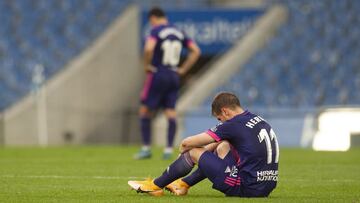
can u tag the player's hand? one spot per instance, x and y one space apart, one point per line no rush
183 149
150 69
181 71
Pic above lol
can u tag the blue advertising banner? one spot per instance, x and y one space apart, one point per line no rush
215 30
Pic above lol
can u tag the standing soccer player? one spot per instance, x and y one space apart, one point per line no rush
239 156
162 52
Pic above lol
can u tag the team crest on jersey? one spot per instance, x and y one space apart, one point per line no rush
214 129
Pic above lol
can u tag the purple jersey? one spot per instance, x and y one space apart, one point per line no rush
169 43
161 87
258 152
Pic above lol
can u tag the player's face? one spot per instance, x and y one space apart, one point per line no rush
221 117
152 21
224 115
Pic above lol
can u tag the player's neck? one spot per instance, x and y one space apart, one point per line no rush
239 111
235 112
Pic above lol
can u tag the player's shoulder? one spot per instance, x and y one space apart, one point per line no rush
155 30
222 126
228 125
169 30
215 128
254 121
159 28
241 120
169 26
246 115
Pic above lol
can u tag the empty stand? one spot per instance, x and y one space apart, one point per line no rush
313 60
50 33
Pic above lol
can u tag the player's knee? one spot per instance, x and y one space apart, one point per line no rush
144 112
195 154
223 149
170 113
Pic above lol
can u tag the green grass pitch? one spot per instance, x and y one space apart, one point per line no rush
94 174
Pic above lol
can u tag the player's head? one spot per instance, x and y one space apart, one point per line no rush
224 104
156 16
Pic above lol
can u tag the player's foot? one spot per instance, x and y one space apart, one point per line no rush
168 151
167 156
146 186
178 187
143 154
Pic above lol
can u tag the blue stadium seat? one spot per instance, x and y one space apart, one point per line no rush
312 61
53 32
49 33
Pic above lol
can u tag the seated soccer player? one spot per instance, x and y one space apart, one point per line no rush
239 156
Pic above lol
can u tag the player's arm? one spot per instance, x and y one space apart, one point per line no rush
198 140
193 56
149 47
212 146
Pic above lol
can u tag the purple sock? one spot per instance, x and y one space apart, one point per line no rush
179 168
194 178
171 131
145 130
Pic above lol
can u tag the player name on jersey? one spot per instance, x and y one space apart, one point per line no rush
252 122
171 31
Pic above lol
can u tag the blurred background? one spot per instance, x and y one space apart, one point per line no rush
71 73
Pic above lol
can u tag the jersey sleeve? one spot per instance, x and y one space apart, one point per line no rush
153 35
187 41
222 131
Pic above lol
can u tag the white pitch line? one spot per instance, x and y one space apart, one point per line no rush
311 180
141 178
71 177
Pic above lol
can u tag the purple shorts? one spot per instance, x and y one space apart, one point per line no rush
223 173
160 90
